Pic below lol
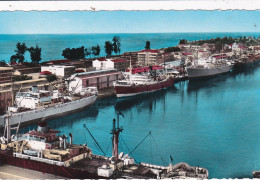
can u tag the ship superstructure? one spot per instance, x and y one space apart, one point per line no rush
211 66
142 82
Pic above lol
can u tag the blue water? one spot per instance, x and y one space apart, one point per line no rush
214 124
53 44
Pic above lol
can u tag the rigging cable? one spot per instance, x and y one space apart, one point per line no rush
94 139
127 147
158 149
139 143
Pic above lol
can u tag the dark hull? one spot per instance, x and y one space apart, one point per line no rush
241 66
256 174
125 91
7 158
205 77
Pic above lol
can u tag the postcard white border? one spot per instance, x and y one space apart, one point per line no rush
129 5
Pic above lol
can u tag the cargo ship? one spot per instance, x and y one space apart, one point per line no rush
204 68
242 64
35 104
43 150
146 80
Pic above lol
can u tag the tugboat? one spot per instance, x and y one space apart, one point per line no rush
36 104
43 150
143 82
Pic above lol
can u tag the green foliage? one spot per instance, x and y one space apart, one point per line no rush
20 50
172 49
147 45
74 53
95 50
108 48
227 40
51 77
87 52
35 54
21 78
116 44
183 41
3 63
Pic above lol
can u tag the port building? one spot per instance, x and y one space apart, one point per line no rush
101 79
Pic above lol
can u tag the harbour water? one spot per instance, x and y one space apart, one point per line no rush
213 124
53 44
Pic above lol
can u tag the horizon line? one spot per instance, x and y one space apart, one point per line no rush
118 33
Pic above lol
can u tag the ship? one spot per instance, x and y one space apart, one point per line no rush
34 104
250 61
45 151
144 80
204 68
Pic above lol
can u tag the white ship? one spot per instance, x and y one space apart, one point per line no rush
202 68
37 105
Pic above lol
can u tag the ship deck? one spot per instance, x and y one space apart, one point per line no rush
90 165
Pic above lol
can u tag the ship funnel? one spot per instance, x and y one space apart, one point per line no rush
42 127
70 138
64 141
34 89
60 140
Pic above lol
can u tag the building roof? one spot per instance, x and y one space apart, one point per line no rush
119 60
150 50
59 61
92 72
6 68
186 54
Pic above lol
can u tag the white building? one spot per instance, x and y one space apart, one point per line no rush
59 70
102 65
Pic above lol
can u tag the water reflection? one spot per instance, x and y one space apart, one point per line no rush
141 102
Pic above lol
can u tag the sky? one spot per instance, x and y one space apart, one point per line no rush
80 22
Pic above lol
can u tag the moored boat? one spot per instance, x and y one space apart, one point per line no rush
43 150
244 63
204 68
145 82
35 105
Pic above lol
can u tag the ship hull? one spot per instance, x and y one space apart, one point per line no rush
8 158
199 73
128 90
50 112
241 66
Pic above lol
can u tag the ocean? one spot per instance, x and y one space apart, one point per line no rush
53 44
213 123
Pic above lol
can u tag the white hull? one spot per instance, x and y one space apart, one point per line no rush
50 112
205 72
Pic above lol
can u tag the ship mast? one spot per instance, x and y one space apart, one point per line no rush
130 70
115 131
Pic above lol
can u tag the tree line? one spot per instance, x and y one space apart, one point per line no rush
81 52
21 48
225 40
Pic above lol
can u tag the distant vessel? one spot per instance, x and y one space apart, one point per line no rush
37 104
244 63
145 81
203 68
43 150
